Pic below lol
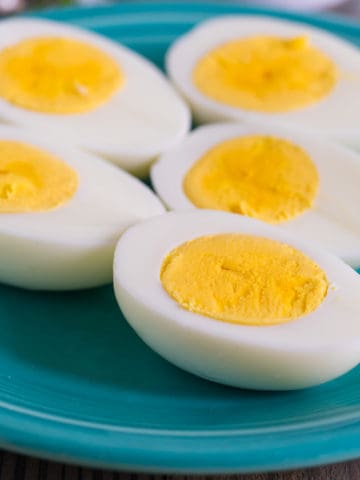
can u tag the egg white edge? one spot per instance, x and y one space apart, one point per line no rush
294 336
168 172
195 43
80 162
122 55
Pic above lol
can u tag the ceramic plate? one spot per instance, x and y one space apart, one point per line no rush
76 384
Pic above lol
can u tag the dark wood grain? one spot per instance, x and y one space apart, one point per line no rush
19 467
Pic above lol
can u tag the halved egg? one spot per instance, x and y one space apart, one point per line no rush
308 187
272 71
62 212
237 301
88 91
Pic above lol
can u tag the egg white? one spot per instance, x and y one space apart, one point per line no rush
336 116
333 222
301 353
142 119
72 246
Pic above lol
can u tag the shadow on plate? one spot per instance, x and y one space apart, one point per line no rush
83 337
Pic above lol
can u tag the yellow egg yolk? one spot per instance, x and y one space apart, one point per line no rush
57 75
263 177
243 279
266 74
33 180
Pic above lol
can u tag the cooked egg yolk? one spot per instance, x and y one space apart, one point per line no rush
243 279
57 75
263 177
33 180
267 74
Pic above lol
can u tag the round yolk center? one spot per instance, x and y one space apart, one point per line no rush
243 279
57 75
33 180
263 177
266 74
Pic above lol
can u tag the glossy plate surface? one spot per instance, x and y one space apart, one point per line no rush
76 384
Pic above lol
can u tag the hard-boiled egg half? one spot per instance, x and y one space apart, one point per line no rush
90 91
306 186
237 301
272 71
62 212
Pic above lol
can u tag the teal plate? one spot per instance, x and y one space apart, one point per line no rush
76 384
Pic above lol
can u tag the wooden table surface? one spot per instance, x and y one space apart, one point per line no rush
18 467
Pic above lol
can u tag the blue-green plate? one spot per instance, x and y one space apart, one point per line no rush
76 384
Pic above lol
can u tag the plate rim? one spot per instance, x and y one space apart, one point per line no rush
146 453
